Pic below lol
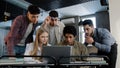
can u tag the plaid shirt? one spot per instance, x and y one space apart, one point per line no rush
16 33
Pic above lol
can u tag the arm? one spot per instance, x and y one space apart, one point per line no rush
10 38
29 48
45 23
85 50
106 41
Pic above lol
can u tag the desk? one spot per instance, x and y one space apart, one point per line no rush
14 63
86 63
98 61
20 62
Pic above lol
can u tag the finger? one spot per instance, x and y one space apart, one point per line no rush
86 36
48 17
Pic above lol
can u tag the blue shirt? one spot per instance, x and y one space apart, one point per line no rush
103 39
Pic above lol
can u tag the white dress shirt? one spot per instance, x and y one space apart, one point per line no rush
29 48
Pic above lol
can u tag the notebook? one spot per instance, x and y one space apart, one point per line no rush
57 52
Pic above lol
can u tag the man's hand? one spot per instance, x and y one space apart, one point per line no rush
47 20
12 58
89 39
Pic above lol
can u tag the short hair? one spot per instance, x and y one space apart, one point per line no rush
33 9
53 13
70 30
87 22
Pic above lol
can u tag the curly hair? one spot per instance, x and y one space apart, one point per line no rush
53 13
69 30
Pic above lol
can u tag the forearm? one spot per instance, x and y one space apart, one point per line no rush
44 26
103 47
10 48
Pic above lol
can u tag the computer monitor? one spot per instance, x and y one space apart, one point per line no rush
57 52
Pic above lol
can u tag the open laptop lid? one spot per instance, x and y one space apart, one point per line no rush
57 52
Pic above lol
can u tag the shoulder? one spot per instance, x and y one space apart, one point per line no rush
80 44
20 17
103 30
77 43
61 24
62 43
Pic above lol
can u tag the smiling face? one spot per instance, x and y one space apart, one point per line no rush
43 38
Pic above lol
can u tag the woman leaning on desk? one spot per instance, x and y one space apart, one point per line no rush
35 48
78 49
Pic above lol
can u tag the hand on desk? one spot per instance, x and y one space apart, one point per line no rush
31 61
12 58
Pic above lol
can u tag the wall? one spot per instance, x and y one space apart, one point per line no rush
10 8
102 19
114 11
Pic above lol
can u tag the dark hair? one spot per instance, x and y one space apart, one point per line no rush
33 9
87 22
70 30
53 13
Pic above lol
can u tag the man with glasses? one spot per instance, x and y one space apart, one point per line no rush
22 30
54 27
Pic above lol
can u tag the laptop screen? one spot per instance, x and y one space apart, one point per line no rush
57 52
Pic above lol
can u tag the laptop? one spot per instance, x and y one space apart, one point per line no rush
57 52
